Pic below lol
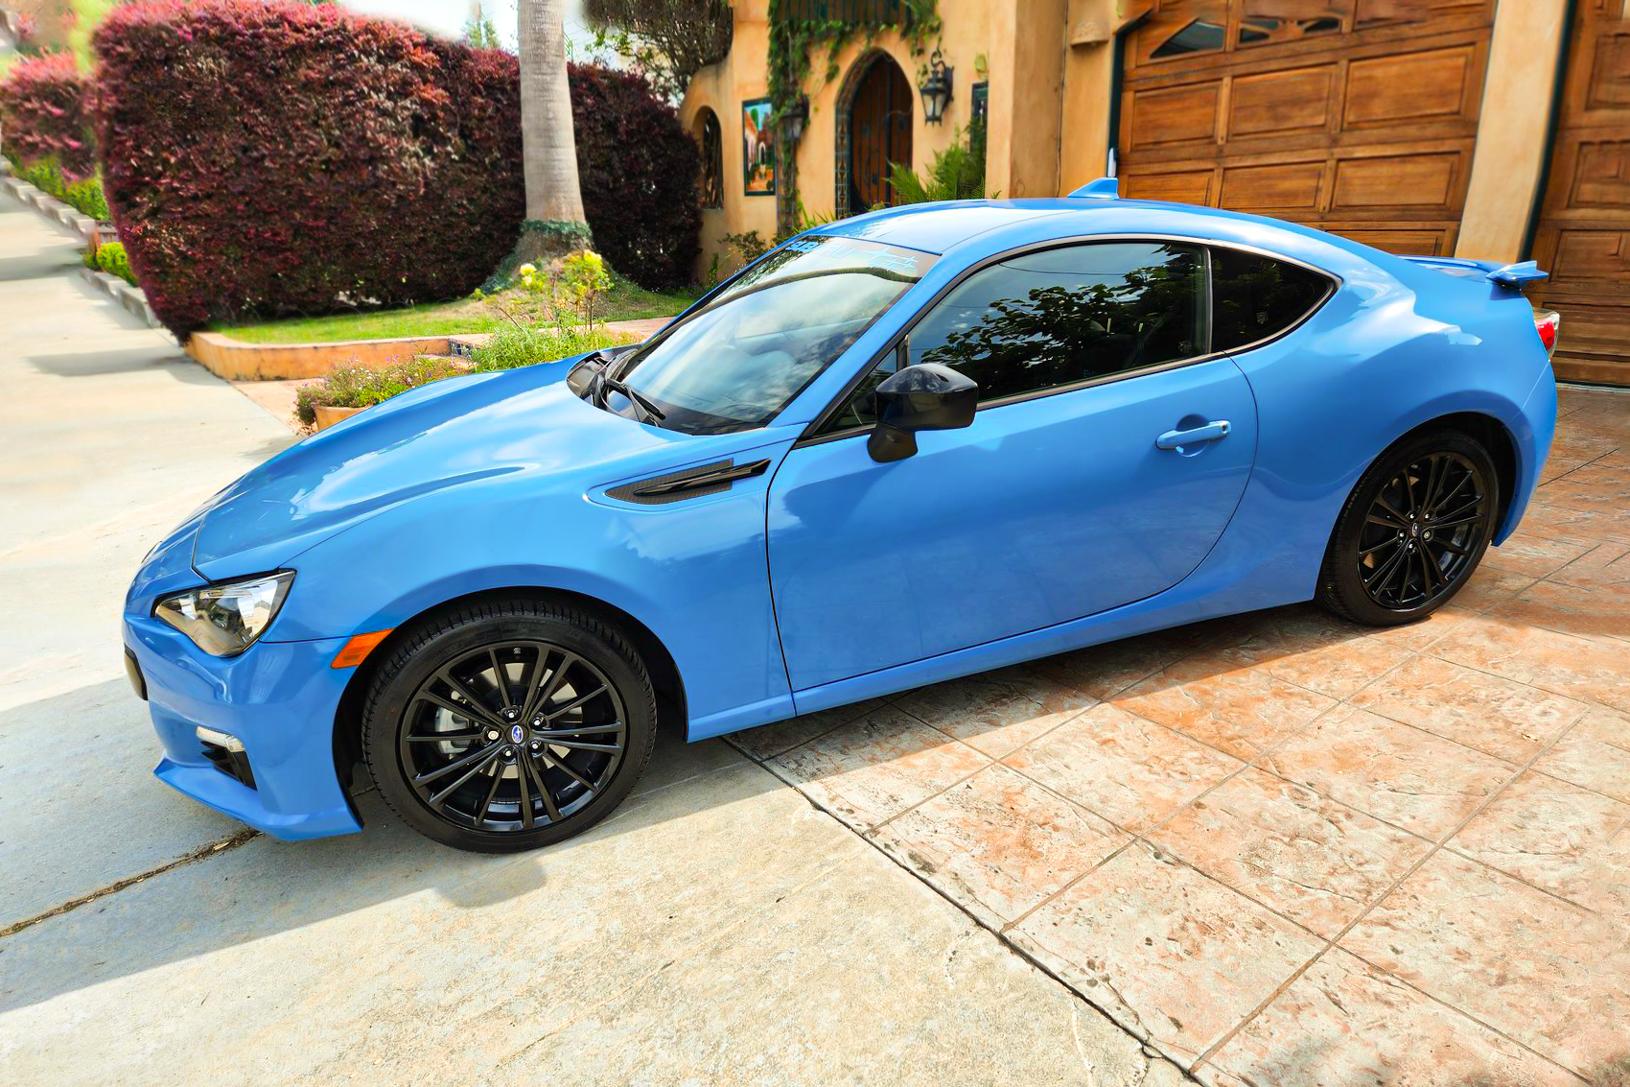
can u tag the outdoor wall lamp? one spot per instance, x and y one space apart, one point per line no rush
792 122
935 88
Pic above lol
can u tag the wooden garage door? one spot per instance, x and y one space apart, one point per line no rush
1357 116
1584 231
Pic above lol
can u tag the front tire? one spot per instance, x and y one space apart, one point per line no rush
1413 530
508 725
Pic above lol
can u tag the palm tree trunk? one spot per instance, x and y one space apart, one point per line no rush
554 199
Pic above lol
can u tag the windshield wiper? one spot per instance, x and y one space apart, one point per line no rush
642 403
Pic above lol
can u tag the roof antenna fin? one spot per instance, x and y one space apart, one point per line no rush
1105 188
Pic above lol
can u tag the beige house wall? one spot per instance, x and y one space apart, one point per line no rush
1051 68
1508 165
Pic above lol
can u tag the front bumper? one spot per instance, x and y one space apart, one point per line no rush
278 699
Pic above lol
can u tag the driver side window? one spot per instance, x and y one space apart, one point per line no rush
1056 317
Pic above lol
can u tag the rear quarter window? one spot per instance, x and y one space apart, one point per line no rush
1255 297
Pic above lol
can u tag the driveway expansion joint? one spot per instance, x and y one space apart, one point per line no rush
201 853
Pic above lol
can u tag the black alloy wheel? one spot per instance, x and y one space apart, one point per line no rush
512 735
1412 531
506 726
1425 526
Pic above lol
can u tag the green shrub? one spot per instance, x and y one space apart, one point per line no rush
46 175
85 196
956 173
512 347
747 246
110 258
82 194
361 387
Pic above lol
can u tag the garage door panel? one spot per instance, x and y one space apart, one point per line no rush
1392 90
1426 240
1584 232
1174 115
1372 12
1591 254
1609 81
1283 188
1294 100
1354 115
1429 180
1597 172
1189 187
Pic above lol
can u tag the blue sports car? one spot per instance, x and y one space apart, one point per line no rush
897 449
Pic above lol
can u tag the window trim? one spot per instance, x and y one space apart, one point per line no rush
813 436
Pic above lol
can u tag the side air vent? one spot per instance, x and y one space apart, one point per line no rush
690 483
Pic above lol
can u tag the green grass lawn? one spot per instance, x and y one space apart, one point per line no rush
626 301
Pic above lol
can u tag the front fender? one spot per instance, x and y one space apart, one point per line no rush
693 572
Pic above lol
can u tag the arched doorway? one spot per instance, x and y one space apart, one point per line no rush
874 130
710 136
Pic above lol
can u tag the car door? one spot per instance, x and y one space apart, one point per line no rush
1073 491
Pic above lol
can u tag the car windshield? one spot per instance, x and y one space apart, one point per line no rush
739 359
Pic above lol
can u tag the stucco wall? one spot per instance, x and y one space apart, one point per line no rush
1050 65
1508 164
965 44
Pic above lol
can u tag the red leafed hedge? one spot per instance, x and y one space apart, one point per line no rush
637 168
43 115
271 159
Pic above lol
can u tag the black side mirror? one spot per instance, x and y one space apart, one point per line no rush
927 396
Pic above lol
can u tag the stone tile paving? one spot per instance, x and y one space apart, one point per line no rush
1286 850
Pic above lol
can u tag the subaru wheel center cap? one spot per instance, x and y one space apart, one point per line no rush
516 734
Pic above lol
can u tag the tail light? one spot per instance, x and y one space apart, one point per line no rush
1548 323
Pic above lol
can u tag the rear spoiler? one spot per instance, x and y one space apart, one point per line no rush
1513 276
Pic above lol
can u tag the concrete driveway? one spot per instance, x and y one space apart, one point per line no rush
1285 850
1270 850
717 929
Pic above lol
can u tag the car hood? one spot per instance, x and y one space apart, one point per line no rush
450 434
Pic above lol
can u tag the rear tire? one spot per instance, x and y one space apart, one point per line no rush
1413 530
548 716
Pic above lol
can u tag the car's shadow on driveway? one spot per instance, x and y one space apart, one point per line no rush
119 821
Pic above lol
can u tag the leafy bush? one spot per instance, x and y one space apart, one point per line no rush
361 387
45 174
638 169
85 196
748 246
956 173
43 114
512 347
110 258
279 159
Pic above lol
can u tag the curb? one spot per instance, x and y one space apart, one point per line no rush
130 298
238 361
49 206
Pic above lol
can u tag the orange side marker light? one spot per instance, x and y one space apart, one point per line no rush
357 649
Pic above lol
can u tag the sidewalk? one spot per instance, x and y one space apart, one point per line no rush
717 929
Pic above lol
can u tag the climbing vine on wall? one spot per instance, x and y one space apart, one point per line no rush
796 32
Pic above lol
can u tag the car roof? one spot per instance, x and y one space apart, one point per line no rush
978 227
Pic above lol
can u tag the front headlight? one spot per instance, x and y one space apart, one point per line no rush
227 618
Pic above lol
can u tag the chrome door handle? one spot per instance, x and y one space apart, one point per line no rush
1177 439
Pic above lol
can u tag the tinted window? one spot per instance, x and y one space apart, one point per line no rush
1255 297
1067 315
1057 317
